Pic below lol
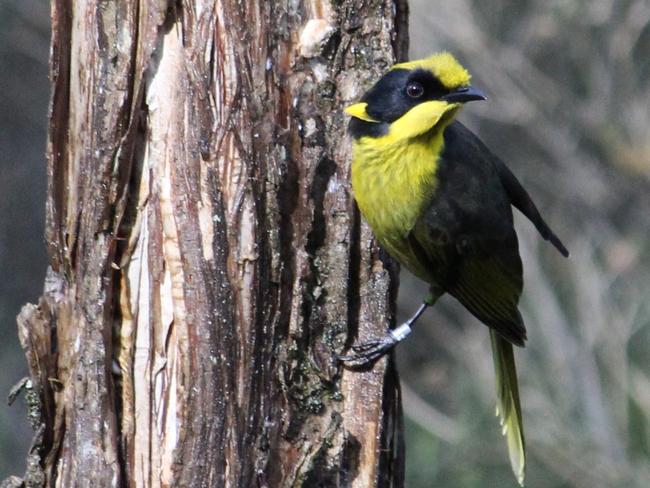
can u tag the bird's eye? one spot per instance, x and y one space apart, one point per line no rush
414 89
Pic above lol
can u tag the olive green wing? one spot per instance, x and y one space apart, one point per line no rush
482 271
489 283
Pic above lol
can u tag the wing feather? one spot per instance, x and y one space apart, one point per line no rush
522 201
490 287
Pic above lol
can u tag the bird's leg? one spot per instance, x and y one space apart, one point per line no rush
369 352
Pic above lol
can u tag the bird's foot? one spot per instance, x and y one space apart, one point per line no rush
368 352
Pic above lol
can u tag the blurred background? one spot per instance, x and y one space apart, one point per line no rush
569 111
24 95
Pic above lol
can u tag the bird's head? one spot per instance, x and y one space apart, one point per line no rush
413 98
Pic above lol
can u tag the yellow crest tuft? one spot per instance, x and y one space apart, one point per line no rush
444 66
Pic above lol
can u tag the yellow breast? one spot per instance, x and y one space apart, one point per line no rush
393 181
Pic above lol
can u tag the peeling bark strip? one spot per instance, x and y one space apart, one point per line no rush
207 260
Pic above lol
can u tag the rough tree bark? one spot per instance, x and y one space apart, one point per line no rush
206 257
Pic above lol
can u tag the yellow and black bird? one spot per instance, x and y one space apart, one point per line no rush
441 203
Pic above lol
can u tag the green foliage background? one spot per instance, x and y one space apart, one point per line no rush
569 111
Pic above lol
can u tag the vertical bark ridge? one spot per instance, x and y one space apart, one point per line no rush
207 256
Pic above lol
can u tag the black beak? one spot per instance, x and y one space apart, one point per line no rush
464 94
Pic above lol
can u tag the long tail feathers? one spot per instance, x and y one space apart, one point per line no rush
508 407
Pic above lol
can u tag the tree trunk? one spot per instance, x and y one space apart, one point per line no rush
207 260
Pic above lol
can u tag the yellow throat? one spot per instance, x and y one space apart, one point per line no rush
393 176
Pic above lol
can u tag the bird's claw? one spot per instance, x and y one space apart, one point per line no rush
368 352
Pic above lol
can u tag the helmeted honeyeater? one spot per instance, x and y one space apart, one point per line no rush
441 203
